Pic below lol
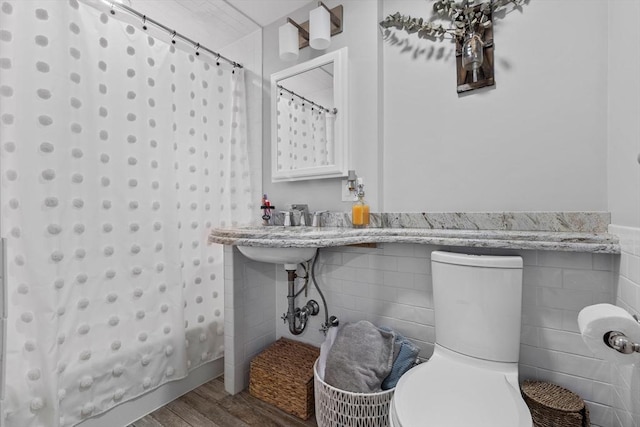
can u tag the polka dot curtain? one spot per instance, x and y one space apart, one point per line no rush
118 152
305 134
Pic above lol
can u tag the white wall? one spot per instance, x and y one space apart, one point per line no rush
624 113
537 141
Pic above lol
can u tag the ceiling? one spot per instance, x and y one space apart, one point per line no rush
264 12
220 22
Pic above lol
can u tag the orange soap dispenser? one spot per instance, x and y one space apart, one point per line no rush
360 208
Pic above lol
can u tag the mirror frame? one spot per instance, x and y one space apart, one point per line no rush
340 96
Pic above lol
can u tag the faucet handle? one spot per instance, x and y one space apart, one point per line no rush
303 210
317 215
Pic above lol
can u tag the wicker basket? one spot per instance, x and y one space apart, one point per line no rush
554 406
335 407
282 375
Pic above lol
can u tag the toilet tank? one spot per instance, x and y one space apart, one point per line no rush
478 304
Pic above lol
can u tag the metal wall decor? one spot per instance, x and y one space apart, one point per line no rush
471 28
474 55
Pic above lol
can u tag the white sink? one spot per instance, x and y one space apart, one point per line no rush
291 257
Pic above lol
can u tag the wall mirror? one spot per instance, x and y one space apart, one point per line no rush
309 119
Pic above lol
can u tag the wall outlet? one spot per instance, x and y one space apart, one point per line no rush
347 196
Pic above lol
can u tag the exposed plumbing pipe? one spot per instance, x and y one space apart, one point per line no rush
328 321
297 317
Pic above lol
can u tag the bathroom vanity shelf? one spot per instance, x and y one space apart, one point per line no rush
286 237
547 231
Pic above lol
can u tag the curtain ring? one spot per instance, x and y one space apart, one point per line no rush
113 12
196 47
173 37
218 60
144 22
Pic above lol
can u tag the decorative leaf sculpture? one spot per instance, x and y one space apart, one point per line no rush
462 15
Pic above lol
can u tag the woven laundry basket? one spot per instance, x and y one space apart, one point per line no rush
282 375
335 407
554 406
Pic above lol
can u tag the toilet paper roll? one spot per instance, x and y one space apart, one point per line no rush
596 320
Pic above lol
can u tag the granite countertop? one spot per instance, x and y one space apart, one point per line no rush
573 232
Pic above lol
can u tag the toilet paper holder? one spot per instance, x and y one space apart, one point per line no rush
620 342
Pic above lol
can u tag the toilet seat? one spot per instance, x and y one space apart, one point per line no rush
452 390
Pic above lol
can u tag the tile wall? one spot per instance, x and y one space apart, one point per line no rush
249 315
391 286
626 379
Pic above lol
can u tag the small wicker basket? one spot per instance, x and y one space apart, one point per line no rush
335 407
554 406
282 375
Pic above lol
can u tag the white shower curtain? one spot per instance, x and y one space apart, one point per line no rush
119 152
305 134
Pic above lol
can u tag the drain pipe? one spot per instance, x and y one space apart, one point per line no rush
295 316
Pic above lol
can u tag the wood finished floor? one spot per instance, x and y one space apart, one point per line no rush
211 406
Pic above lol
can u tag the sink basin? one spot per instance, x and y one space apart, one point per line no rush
291 257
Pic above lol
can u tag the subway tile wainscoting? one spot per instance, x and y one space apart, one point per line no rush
391 285
626 379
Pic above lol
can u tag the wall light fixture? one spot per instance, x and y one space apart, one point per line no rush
288 36
323 23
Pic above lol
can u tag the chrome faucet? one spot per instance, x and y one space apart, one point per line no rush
303 209
317 218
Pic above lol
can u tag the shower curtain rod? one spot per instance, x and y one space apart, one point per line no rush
173 33
334 111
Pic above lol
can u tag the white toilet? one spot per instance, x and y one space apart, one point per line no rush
472 377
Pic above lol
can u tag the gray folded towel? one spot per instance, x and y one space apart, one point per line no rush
360 359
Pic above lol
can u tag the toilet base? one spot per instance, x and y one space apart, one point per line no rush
453 390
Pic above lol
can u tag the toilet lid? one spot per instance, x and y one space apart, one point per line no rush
445 393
